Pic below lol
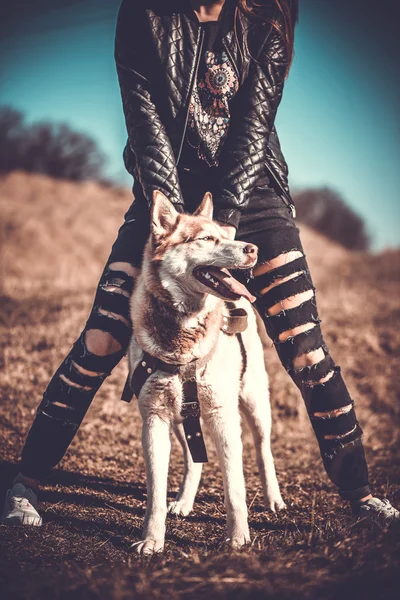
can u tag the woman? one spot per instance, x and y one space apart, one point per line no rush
201 82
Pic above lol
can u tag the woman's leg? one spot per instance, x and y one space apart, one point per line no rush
99 348
287 305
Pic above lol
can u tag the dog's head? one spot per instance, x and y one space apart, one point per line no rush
192 254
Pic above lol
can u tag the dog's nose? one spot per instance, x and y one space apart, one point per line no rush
250 249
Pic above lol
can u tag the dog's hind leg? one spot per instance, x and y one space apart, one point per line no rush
156 443
183 503
254 404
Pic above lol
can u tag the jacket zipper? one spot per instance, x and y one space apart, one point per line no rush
283 193
192 84
285 197
231 59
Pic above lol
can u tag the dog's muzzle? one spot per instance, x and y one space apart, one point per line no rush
222 283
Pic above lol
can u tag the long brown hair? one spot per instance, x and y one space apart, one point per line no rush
287 12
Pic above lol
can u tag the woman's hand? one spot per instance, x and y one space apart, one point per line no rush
229 230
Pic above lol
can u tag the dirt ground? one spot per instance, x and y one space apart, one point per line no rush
54 238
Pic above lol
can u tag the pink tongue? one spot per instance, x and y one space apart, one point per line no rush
230 282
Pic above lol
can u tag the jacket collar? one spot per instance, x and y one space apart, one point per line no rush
226 16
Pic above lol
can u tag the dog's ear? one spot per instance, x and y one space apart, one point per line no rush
206 207
163 214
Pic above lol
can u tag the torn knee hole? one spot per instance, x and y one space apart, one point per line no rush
278 261
62 405
290 302
115 287
341 436
324 379
101 343
126 267
73 384
279 281
308 359
115 290
285 335
112 315
330 414
85 371
313 382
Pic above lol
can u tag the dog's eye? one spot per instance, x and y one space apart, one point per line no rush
207 238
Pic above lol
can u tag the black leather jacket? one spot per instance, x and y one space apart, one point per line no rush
157 49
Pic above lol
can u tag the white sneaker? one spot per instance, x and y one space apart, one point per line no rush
20 507
379 511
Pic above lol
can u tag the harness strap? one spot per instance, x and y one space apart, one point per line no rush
148 365
190 412
233 323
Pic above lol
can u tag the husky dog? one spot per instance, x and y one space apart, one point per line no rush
177 311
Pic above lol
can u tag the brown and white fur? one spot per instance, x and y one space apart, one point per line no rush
176 318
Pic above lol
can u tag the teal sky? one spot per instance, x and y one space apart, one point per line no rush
338 120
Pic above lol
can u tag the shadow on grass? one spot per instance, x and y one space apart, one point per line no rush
119 533
94 482
76 489
70 479
116 532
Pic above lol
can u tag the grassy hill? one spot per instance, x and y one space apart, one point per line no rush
54 239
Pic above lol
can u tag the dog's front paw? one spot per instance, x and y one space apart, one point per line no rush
275 504
238 540
148 547
180 507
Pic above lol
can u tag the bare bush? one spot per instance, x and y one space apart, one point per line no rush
50 148
325 210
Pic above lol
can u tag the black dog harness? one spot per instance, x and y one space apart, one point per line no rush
234 323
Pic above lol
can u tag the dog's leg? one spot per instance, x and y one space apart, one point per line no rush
224 424
156 447
255 405
183 503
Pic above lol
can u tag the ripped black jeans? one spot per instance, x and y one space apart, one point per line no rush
266 223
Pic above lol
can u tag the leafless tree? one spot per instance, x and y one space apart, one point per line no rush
51 148
327 212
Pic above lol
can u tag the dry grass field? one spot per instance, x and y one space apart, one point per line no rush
54 239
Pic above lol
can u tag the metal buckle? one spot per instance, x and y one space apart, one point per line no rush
190 409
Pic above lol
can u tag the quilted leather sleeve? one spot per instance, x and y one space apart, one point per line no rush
277 161
148 154
252 122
